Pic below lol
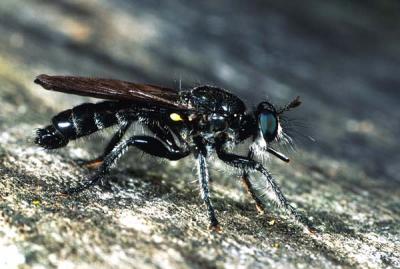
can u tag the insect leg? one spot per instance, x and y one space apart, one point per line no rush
163 133
95 163
116 138
249 164
250 189
148 144
205 192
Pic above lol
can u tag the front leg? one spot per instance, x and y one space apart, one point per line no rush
205 192
250 188
248 164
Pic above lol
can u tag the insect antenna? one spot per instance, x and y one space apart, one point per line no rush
293 104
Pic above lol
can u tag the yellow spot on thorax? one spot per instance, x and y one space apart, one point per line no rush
175 117
36 202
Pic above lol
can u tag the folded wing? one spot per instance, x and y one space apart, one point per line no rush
111 89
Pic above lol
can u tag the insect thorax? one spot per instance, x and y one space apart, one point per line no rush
208 99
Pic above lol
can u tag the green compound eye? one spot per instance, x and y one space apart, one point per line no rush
268 124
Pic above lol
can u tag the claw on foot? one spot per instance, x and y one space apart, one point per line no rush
62 193
312 230
260 209
215 228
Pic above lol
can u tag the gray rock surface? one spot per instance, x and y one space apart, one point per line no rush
342 58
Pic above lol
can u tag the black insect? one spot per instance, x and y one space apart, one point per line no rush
198 121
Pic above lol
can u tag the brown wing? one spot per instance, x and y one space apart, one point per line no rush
111 89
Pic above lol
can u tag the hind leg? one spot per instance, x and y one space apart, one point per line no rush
95 163
148 144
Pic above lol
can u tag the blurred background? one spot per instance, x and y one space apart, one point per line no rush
343 59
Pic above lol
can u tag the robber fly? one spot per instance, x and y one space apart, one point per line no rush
198 121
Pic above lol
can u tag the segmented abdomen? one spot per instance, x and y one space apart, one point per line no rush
79 121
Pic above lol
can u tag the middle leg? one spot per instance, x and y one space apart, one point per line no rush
204 179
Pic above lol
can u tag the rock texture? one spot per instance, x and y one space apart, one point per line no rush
342 58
